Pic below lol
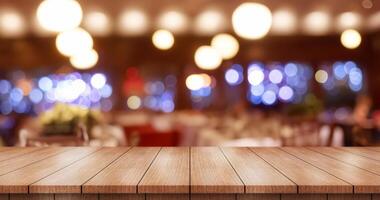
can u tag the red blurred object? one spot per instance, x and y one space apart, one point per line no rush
148 136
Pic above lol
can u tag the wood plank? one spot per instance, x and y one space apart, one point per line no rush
257 175
304 197
362 180
258 197
167 197
8 153
76 197
169 173
4 196
19 180
31 197
350 158
308 178
349 197
368 153
29 158
71 178
213 196
212 173
375 196
121 197
123 175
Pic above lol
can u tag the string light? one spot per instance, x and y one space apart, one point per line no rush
84 60
163 39
207 58
74 42
226 45
351 39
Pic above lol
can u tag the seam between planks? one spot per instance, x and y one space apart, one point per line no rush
62 168
137 186
355 153
37 149
35 161
81 187
345 161
372 149
353 188
190 172
275 168
225 157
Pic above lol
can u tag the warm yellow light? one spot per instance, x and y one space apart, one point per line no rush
210 22
163 39
174 21
226 45
349 20
284 22
97 23
12 24
251 20
133 22
350 39
134 102
84 60
317 23
73 42
321 76
198 81
207 58
59 15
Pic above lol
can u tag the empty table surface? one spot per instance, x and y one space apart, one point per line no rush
190 170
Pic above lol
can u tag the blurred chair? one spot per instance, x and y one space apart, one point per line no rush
79 138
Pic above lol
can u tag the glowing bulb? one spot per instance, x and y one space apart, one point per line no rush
134 102
133 22
348 20
207 58
226 45
197 81
251 20
174 21
284 22
321 76
59 15
73 42
98 80
97 23
317 23
12 24
163 39
350 39
84 60
209 22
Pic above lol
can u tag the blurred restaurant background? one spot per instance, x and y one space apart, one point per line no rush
190 72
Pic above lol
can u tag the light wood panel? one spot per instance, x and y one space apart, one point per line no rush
26 159
304 197
349 197
169 173
257 175
375 155
308 178
212 173
8 153
123 175
18 181
121 197
350 158
258 197
71 178
362 180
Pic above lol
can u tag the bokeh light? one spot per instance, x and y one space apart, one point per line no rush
286 93
163 39
73 42
198 81
226 45
351 39
84 60
255 75
97 23
269 97
12 24
349 20
134 102
133 22
234 75
59 15
284 22
251 20
317 23
321 76
275 76
210 22
98 80
207 58
174 21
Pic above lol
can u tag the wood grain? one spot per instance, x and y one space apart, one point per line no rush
76 197
375 155
123 175
350 158
308 178
4 196
23 160
213 196
258 197
212 173
362 180
169 173
31 197
71 178
349 197
18 181
167 197
8 153
304 197
121 197
375 196
257 175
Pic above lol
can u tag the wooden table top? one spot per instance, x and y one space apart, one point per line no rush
155 170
